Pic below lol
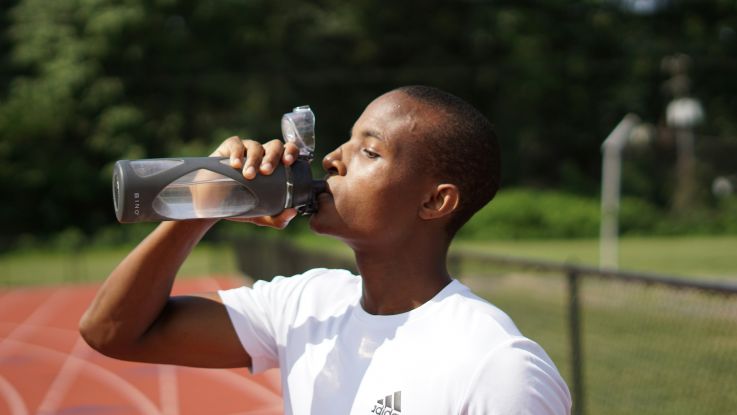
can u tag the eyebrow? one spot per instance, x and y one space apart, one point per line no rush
370 133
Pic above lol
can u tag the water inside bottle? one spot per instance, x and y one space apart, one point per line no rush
146 168
204 194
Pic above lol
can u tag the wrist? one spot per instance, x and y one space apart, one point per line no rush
194 227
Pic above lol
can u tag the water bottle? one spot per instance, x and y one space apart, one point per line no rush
208 187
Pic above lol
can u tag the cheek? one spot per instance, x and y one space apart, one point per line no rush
379 199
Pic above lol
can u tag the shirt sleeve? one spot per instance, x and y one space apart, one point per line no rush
517 378
260 314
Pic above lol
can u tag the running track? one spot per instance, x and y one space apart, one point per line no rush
46 368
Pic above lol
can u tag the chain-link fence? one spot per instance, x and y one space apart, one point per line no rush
625 342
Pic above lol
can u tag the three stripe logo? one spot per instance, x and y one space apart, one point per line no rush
389 405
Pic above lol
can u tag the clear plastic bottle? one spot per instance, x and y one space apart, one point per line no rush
208 187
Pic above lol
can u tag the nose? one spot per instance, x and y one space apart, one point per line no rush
333 163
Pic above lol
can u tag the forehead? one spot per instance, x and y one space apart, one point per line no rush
396 117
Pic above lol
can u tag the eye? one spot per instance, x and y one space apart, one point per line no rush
370 153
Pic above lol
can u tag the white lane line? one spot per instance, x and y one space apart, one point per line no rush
10 301
272 410
169 387
55 331
12 397
69 371
168 390
39 316
142 404
4 294
31 324
63 380
9 297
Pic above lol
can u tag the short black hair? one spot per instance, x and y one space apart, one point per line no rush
463 149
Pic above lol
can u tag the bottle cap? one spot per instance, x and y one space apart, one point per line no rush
298 127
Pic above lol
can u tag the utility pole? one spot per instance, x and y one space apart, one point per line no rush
682 114
611 173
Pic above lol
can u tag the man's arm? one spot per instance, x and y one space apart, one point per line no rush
133 316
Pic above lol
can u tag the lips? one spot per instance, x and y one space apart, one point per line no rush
325 202
327 189
325 192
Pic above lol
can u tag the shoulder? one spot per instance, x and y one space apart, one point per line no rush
318 282
323 280
314 279
295 292
517 377
476 316
509 373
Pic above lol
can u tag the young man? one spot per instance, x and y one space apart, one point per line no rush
404 337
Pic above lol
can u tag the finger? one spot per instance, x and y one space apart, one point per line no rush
236 151
274 149
233 149
290 154
254 154
279 221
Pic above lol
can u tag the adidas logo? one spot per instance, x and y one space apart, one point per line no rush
389 405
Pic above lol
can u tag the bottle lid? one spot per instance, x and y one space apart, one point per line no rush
298 127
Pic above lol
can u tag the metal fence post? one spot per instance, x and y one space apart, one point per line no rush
574 322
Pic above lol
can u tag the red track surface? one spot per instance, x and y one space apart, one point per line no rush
46 368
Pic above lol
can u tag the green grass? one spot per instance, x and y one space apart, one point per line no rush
320 243
94 264
695 256
706 257
646 349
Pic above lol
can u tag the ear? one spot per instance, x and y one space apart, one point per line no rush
441 201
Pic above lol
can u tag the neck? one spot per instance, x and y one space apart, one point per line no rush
401 278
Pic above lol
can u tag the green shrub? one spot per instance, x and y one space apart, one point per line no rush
522 213
122 234
727 219
544 214
638 217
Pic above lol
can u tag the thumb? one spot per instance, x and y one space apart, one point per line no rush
282 220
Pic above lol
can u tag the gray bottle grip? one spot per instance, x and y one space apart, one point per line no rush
133 195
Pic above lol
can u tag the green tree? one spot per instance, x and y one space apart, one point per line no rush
86 82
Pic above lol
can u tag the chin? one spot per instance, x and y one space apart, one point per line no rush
314 225
318 225
323 225
323 221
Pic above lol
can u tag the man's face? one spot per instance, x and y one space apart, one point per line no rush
376 186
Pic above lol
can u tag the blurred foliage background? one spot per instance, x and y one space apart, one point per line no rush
86 82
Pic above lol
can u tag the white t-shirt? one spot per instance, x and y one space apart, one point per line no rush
455 354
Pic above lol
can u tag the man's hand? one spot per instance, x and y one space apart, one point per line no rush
253 158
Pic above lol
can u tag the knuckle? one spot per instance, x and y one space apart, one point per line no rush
271 156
